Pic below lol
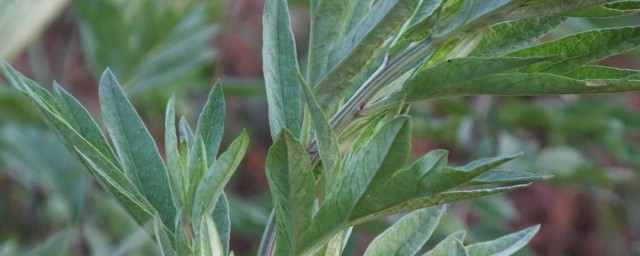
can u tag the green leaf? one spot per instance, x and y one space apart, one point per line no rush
539 84
500 176
385 153
329 24
447 246
178 184
539 8
57 244
408 235
210 244
182 240
211 187
509 36
220 216
437 199
292 187
196 167
442 179
600 73
607 10
166 249
36 93
580 49
281 69
457 249
418 27
81 121
135 146
444 78
335 246
458 16
505 245
120 188
186 135
211 123
355 55
326 138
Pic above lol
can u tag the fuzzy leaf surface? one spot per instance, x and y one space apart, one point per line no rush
505 245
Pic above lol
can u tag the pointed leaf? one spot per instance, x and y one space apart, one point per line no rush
437 199
539 84
196 167
281 69
580 49
607 10
326 138
509 36
292 186
221 218
501 176
408 235
329 24
552 7
81 121
211 123
217 176
210 244
135 146
600 73
459 16
505 245
178 185
166 249
447 246
443 79
369 39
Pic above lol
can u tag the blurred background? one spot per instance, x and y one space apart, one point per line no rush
49 205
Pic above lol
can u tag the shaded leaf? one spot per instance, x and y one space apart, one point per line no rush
166 249
211 123
292 187
580 49
138 153
509 36
408 235
369 39
178 184
607 10
505 245
281 69
210 244
217 176
447 246
220 216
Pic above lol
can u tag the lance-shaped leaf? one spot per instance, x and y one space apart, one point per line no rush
77 116
600 73
502 176
210 244
335 245
326 138
174 167
355 55
196 167
28 86
121 189
442 79
211 123
408 235
442 179
607 10
509 36
539 84
330 22
459 16
211 187
220 216
138 153
437 199
166 249
580 49
293 188
281 69
447 246
385 153
551 7
505 245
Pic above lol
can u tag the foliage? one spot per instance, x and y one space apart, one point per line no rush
394 53
342 131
